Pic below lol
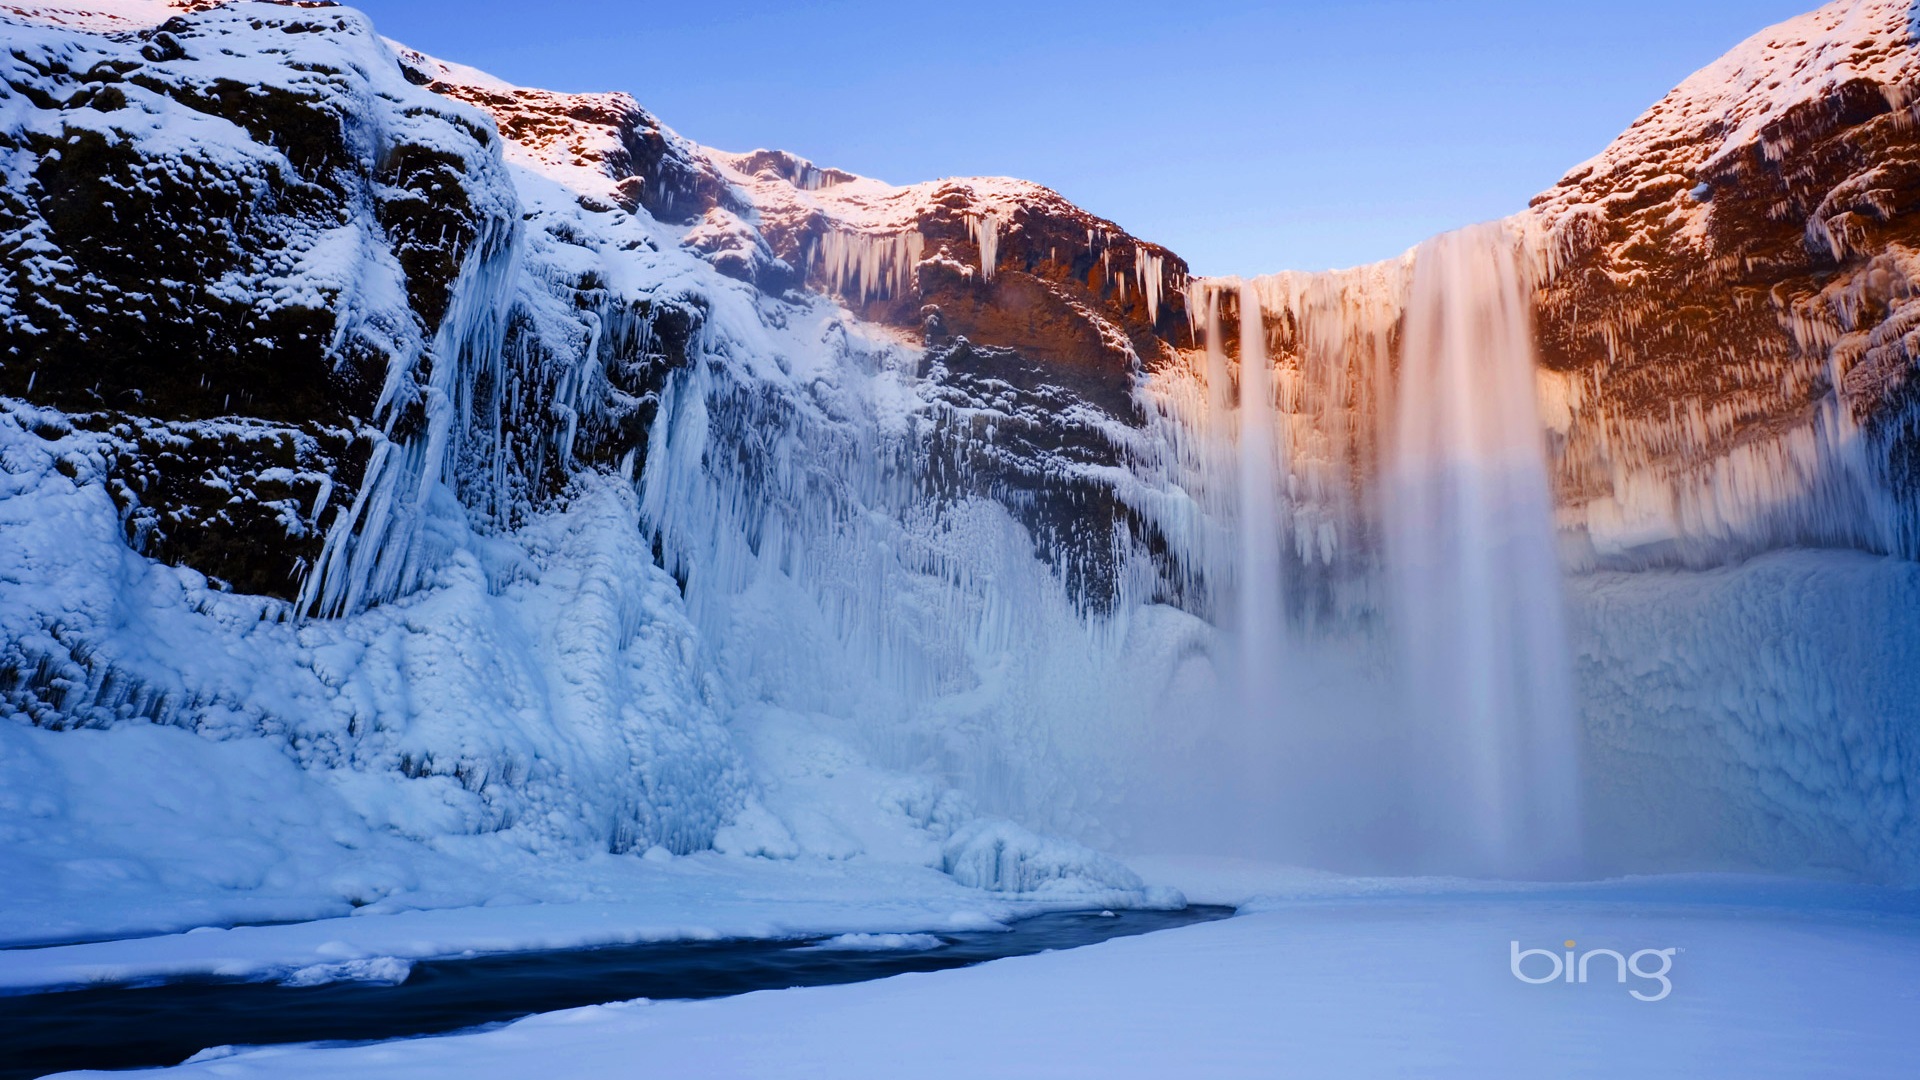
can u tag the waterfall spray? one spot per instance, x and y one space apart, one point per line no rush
1475 577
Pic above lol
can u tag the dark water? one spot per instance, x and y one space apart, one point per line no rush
123 1027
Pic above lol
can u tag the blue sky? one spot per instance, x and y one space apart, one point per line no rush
1248 137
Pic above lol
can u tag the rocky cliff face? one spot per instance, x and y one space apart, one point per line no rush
1728 304
1723 293
246 224
374 368
1722 308
279 317
1020 299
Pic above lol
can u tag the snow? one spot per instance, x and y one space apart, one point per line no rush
379 970
1755 83
98 16
1790 982
702 897
320 756
880 943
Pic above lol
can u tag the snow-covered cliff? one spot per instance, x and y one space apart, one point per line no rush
496 471
323 396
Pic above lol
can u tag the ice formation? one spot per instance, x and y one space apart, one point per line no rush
371 553
657 548
986 236
1151 274
863 266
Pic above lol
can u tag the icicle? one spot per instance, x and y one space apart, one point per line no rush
1147 267
867 266
986 234
371 553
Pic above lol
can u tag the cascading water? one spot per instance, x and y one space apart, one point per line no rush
1394 673
1476 583
1259 607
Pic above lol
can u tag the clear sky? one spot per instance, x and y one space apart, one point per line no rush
1248 137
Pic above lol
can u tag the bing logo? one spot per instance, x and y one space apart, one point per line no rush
1566 968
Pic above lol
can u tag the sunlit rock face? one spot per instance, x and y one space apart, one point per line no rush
395 385
1728 305
1727 319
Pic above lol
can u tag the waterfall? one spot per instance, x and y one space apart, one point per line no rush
1259 607
1394 670
1475 580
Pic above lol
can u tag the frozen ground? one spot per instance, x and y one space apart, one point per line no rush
1339 977
699 897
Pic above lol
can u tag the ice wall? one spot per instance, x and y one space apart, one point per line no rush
834 573
1755 716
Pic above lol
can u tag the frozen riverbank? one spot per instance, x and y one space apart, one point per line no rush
1766 979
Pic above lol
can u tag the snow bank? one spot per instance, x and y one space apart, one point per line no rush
562 904
1391 987
535 691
